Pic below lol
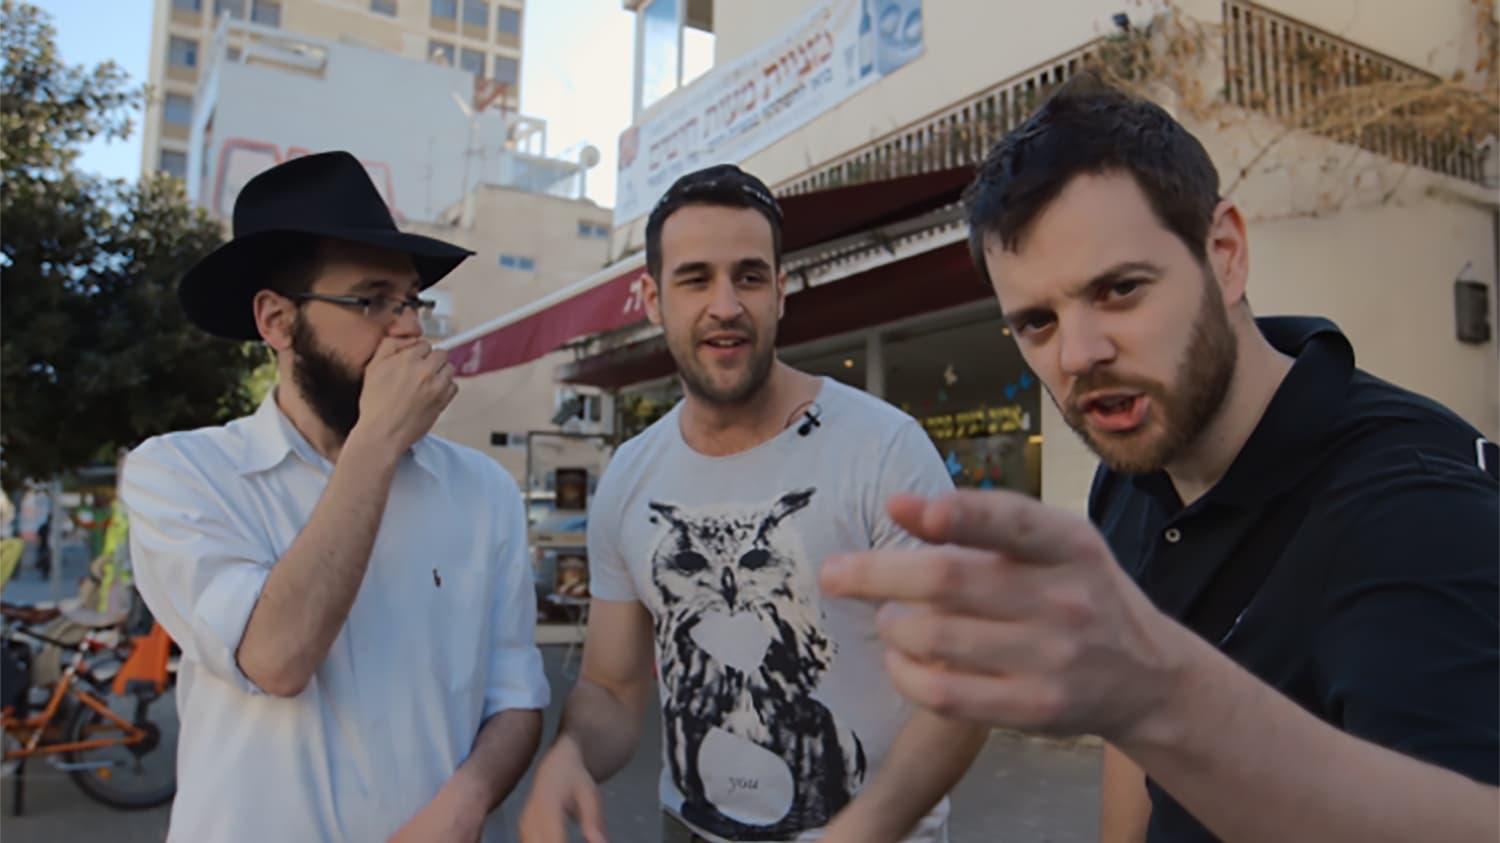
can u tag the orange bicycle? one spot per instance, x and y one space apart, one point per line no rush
96 725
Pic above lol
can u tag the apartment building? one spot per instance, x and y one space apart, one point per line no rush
481 37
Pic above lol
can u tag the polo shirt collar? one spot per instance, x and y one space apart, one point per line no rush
1289 438
270 437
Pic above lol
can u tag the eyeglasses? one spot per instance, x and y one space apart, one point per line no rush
373 307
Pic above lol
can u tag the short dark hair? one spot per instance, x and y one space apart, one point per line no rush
724 185
1091 127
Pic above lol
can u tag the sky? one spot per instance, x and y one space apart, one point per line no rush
93 31
576 73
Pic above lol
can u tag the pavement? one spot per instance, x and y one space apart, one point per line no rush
1019 789
27 586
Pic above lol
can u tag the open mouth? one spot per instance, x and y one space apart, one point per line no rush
726 342
1115 412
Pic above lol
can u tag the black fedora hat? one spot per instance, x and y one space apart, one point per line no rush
329 195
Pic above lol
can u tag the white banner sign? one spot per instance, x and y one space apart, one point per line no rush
835 50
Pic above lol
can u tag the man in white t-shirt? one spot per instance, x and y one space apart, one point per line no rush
705 539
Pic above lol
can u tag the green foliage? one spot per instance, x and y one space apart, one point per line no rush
95 352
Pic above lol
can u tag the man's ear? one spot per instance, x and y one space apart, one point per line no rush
781 294
275 316
1229 252
651 299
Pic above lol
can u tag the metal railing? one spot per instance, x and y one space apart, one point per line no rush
1265 70
1284 68
959 135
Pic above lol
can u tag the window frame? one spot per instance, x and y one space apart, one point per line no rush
501 12
190 44
166 108
470 5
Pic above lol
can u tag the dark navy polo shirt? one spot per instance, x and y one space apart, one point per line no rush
1378 612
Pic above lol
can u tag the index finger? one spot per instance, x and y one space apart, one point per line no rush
959 578
436 359
590 816
1021 527
391 346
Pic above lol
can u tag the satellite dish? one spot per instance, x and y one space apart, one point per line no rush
589 157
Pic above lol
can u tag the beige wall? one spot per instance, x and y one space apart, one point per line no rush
513 401
1437 35
1385 275
1375 246
545 229
357 24
1383 271
1067 464
971 46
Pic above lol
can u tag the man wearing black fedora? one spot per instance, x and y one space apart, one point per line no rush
352 595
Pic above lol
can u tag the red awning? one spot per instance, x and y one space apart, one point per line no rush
612 298
608 300
823 215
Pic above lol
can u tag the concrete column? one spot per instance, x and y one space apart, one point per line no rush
875 364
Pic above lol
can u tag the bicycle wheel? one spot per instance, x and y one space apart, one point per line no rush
131 778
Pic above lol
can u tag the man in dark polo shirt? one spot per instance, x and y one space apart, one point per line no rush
1309 649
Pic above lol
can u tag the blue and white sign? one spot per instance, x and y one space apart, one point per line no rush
835 50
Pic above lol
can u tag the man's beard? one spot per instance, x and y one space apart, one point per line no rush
324 381
1184 411
697 380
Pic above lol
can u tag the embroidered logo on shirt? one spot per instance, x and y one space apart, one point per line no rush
436 580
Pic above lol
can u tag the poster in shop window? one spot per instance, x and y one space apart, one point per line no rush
835 50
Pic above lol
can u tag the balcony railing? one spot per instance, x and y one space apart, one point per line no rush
956 136
1289 70
1265 67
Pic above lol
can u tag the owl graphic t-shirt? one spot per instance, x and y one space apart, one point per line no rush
776 707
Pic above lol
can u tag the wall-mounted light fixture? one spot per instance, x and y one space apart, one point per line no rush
1471 309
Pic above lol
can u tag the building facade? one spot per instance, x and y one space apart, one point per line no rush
267 95
867 117
481 37
527 247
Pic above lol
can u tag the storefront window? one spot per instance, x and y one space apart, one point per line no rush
964 381
845 364
639 409
969 389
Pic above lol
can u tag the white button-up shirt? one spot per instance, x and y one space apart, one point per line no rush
440 637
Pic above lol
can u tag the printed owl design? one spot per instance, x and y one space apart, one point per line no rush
741 650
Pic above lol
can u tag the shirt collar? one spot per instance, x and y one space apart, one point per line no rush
1289 437
270 436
